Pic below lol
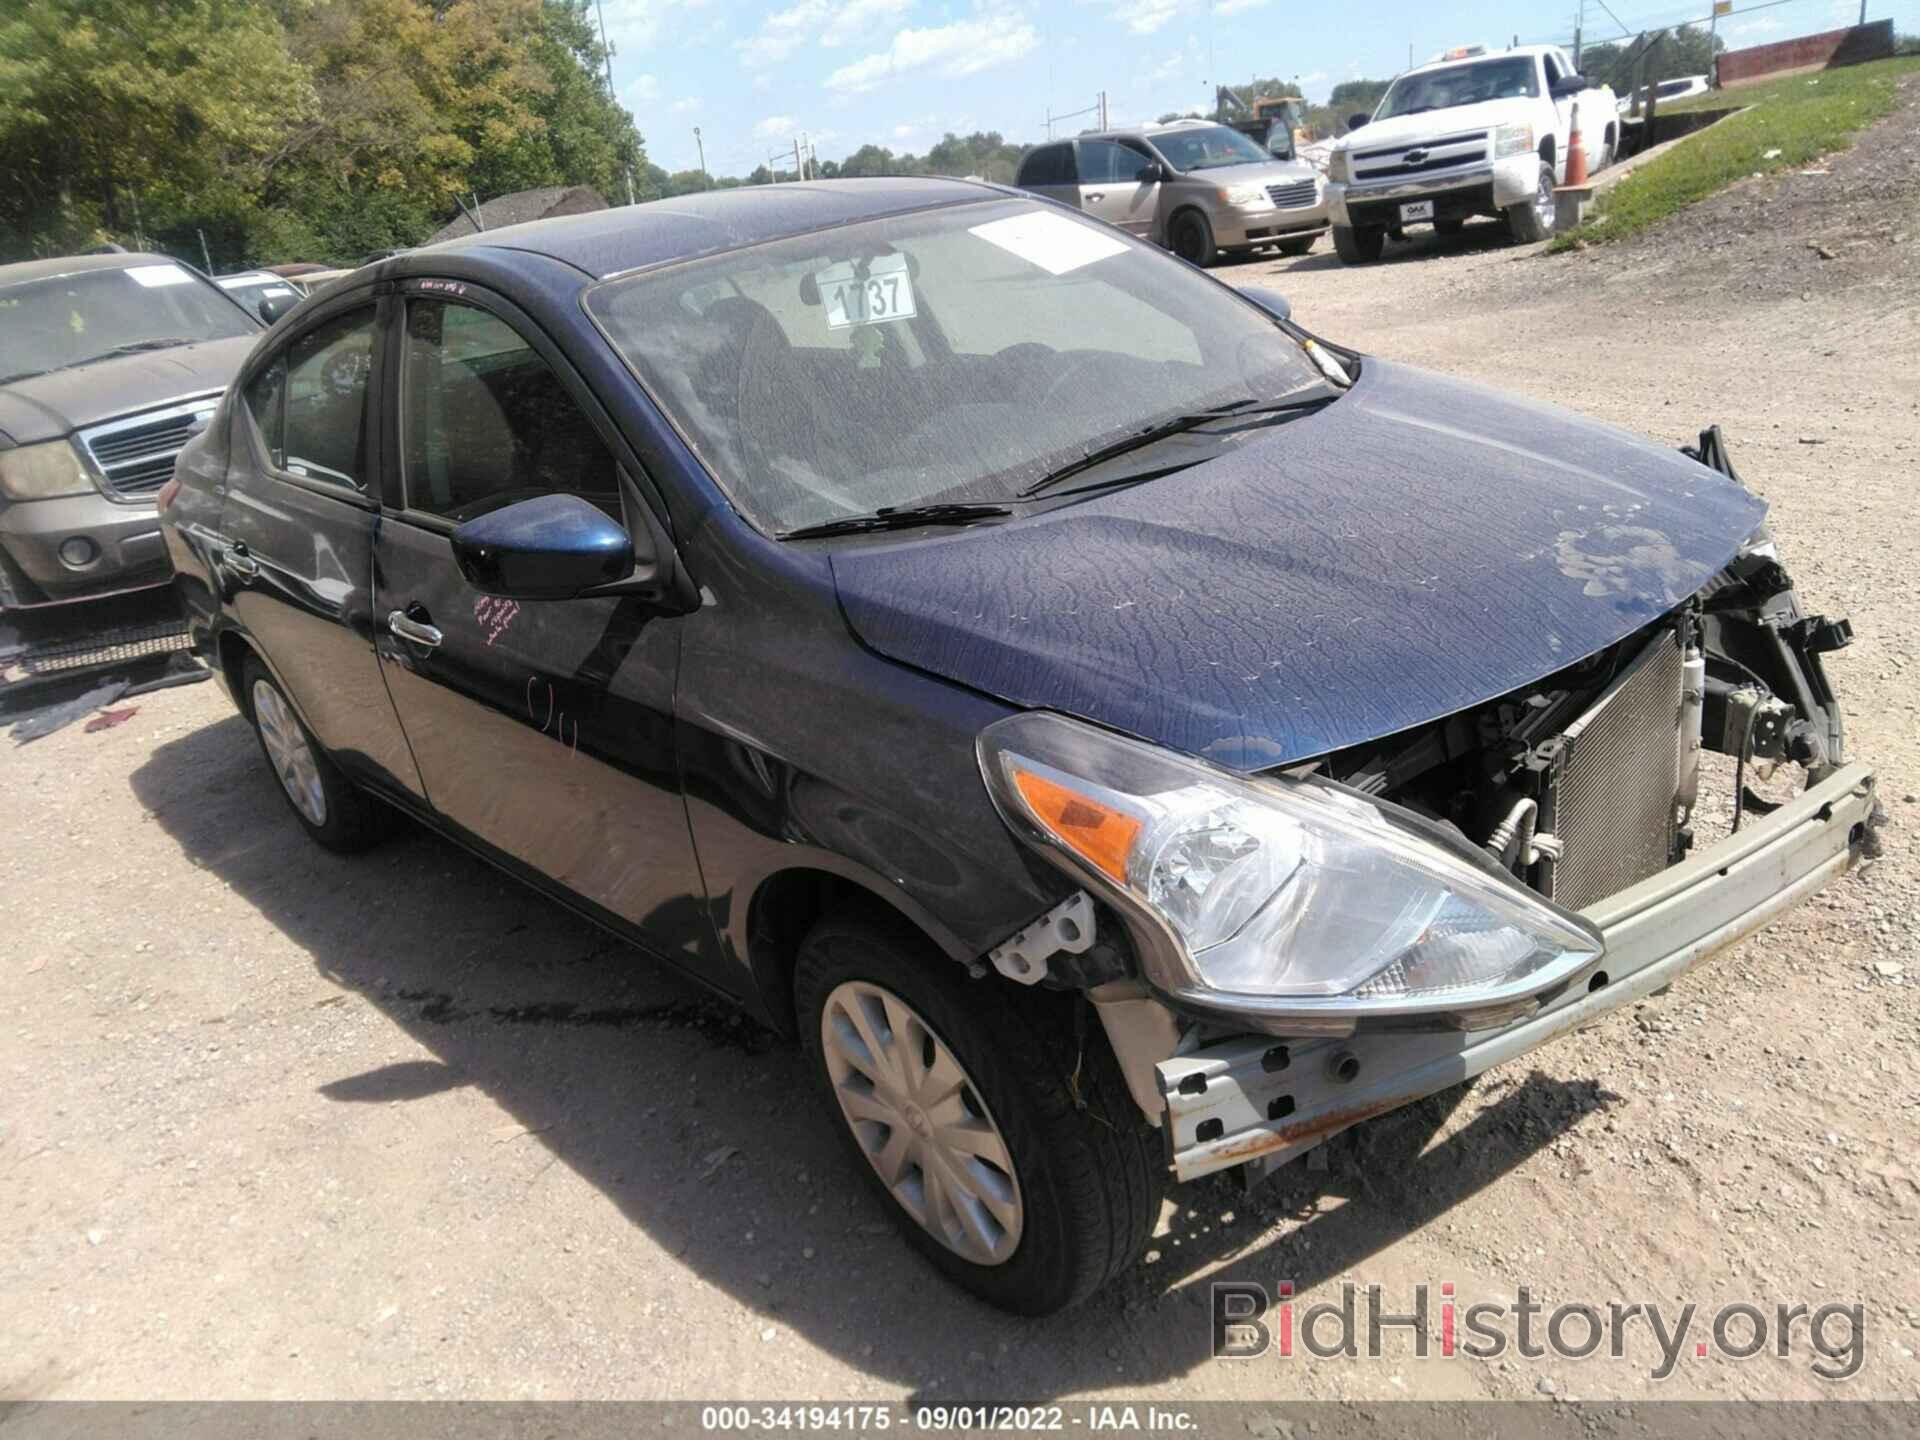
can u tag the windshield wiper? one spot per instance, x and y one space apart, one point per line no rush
898 517
22 375
134 347
1178 424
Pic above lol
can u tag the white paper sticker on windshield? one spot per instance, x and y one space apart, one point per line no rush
154 276
1053 242
884 293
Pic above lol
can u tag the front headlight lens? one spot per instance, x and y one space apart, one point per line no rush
1281 895
1339 168
41 472
1512 140
1243 196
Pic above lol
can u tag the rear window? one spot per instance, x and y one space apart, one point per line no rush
1049 165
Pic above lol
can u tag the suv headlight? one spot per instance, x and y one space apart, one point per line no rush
1512 140
1339 168
1243 197
41 472
1278 900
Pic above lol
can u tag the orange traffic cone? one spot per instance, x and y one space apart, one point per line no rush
1576 151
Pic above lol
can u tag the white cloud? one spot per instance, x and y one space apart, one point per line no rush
642 90
632 25
964 48
829 23
1237 7
1766 24
1143 17
776 127
685 107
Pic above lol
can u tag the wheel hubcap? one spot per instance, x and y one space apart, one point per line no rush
1543 205
289 753
920 1122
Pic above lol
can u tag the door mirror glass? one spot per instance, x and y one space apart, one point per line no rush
1567 85
272 307
552 547
1354 122
1151 173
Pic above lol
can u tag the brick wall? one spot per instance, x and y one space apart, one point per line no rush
1824 51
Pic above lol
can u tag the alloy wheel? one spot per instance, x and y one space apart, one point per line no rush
1544 207
920 1121
288 752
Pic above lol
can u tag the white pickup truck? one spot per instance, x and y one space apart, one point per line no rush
1473 133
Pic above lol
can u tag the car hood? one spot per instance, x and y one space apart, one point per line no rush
49 406
1418 547
1254 172
1430 124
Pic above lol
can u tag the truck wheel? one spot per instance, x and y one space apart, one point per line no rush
1359 246
999 1136
1193 238
1532 220
330 808
1298 247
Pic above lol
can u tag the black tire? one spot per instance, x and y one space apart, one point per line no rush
351 820
1524 221
1361 246
1298 247
1090 1170
1191 238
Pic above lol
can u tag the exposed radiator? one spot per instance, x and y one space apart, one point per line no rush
1612 793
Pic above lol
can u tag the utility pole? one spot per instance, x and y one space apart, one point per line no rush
606 55
799 168
706 180
1579 24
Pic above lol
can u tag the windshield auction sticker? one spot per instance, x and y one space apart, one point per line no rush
880 291
1053 242
154 276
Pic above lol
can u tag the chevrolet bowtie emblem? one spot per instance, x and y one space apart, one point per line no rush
1416 157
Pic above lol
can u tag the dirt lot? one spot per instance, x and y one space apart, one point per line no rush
280 1124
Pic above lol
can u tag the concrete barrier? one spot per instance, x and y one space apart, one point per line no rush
1825 51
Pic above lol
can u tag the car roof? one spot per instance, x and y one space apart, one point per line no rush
1520 51
76 264
632 237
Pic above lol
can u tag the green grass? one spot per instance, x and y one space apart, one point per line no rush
1802 117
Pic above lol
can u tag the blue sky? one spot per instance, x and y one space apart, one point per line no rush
753 74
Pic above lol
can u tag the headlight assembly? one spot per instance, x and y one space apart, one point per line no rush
1339 168
1296 905
1243 197
1512 140
41 472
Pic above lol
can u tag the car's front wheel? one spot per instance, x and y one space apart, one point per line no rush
328 806
1532 220
999 1135
1359 245
1191 238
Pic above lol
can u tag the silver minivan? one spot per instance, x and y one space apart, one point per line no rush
1199 189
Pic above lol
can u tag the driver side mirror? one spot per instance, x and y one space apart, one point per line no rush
552 547
1152 173
1271 301
272 307
1354 122
1568 85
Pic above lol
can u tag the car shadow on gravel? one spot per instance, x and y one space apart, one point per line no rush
702 1127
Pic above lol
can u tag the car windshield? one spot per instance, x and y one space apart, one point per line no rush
67 320
1509 77
952 355
1207 148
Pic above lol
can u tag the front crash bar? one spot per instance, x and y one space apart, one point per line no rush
1255 1098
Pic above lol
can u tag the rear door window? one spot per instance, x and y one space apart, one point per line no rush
327 371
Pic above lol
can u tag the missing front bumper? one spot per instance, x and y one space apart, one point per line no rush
1259 1099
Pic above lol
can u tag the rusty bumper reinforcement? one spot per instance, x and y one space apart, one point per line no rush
1256 1098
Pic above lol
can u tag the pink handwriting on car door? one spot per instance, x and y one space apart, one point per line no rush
495 615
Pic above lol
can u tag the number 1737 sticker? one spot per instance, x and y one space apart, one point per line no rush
882 291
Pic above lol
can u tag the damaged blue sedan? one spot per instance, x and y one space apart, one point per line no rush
1123 736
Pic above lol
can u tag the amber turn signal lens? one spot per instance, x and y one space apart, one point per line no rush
1098 834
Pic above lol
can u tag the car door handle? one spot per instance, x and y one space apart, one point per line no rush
413 630
1096 194
240 560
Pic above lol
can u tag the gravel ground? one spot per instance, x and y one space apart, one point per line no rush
281 1124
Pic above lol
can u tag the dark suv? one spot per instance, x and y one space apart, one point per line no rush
1124 737
107 364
